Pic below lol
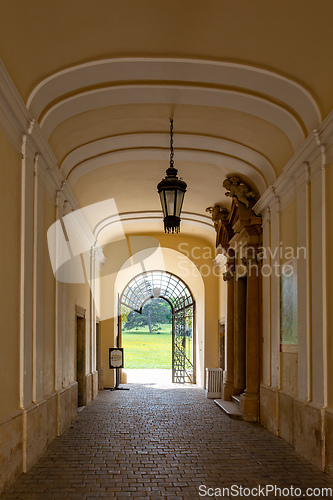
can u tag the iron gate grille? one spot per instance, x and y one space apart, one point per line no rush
162 284
182 346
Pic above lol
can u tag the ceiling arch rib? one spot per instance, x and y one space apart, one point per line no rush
108 228
175 94
201 157
238 76
161 141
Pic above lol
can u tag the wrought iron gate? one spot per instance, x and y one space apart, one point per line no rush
183 370
163 284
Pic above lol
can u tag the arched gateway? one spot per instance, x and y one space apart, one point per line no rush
165 285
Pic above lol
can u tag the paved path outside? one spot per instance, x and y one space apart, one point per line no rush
158 441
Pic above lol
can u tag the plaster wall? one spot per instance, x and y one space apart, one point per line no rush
49 305
329 278
288 232
294 407
329 301
38 391
11 416
10 210
222 298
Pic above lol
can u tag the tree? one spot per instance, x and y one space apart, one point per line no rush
154 313
124 314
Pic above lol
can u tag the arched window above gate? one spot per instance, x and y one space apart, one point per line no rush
153 285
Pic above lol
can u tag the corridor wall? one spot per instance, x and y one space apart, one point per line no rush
11 421
38 387
296 388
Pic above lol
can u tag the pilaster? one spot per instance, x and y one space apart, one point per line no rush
302 180
275 294
27 261
38 283
266 272
228 374
318 276
249 400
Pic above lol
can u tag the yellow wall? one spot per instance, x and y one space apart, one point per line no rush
49 304
329 277
289 372
10 210
288 232
222 299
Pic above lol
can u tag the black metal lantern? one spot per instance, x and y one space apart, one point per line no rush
171 191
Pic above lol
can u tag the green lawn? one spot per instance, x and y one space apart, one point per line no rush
145 350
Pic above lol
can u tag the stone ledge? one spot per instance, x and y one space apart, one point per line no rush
229 408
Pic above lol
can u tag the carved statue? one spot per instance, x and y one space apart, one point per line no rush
237 189
218 213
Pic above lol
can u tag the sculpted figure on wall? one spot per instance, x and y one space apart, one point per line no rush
218 213
237 189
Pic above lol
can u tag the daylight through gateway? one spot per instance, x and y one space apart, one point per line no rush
167 286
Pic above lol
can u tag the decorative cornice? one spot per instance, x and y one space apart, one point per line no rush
316 152
14 116
266 201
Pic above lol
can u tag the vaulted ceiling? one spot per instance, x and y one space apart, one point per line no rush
246 82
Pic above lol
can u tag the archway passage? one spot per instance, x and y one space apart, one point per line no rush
161 284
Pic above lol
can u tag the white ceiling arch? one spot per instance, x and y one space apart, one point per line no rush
253 105
215 74
111 227
199 157
103 147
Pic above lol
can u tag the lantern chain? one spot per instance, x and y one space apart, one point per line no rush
171 142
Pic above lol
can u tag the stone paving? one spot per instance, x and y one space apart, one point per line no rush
164 442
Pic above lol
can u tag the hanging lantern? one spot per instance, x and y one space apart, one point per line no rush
171 191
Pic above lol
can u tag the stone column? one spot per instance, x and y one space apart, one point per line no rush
249 400
228 374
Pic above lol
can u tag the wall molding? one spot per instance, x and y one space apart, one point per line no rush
11 416
20 127
80 311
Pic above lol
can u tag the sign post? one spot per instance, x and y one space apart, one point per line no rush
116 361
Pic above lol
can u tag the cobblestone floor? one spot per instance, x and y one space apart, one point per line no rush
162 442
